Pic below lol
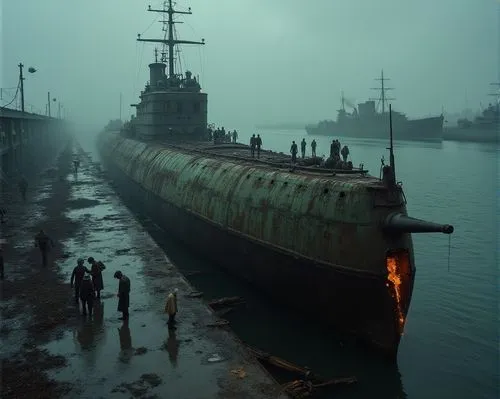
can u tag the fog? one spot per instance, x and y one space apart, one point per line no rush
263 62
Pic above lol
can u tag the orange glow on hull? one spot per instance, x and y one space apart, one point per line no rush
398 276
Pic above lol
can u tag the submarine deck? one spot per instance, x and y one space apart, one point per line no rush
271 159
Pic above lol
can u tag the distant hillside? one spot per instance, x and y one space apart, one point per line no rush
283 125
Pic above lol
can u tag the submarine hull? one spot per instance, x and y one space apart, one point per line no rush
355 301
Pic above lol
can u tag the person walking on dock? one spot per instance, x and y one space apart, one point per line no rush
253 143
77 277
303 146
123 294
44 243
258 143
23 187
313 148
171 308
293 151
96 273
87 295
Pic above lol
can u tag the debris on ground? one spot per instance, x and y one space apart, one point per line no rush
307 384
239 372
226 301
219 323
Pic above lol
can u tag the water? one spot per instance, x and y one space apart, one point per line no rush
450 346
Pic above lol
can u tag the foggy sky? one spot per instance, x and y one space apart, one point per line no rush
264 61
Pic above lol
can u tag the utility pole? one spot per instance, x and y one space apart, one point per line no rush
21 80
58 110
48 102
120 106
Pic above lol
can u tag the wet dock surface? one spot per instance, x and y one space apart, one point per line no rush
104 357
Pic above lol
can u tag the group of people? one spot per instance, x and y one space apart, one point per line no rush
88 284
220 135
303 145
255 143
335 151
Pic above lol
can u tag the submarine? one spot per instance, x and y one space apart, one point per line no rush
332 243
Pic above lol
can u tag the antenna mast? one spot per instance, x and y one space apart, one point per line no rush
170 41
382 89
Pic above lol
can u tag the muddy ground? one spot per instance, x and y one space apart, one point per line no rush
35 301
49 350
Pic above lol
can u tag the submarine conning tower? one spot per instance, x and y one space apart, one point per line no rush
172 106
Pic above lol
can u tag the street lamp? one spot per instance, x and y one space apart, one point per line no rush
21 80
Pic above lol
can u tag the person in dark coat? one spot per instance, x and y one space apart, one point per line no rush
96 273
87 295
253 143
313 148
293 151
123 294
45 243
77 277
345 153
258 143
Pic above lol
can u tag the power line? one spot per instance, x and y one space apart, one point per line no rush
15 96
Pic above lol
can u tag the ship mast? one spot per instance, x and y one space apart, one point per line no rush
382 89
170 41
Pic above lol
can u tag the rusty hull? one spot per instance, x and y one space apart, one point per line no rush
313 241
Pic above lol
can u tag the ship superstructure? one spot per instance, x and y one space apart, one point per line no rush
171 104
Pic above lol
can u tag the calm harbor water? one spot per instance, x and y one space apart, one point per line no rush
450 348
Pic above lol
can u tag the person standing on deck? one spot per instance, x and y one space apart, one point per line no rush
313 148
303 145
258 143
293 151
345 153
235 136
45 243
123 294
253 142
77 277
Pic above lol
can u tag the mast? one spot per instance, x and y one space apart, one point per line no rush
382 89
343 100
170 41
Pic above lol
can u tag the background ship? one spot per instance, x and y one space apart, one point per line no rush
484 128
366 122
334 244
